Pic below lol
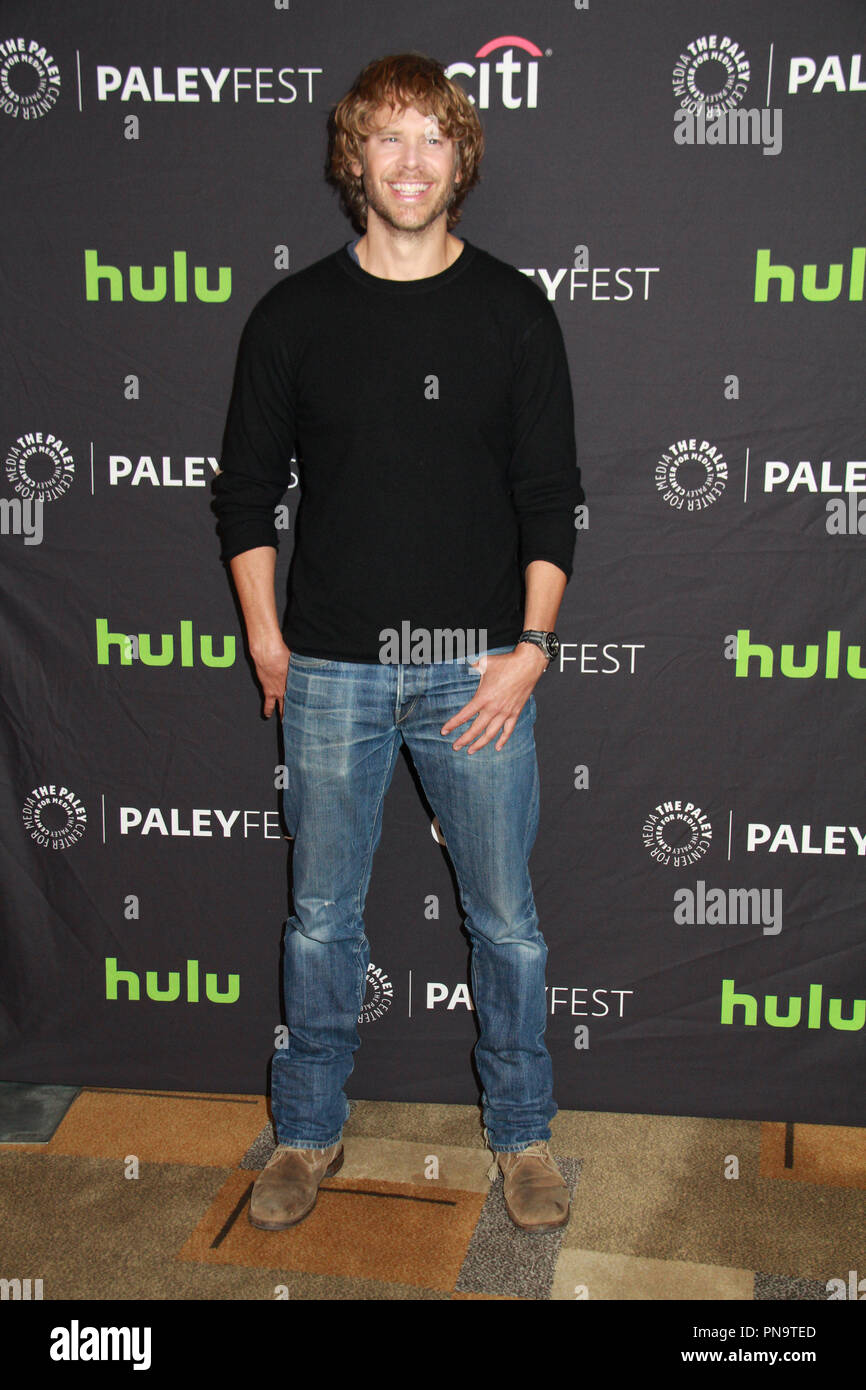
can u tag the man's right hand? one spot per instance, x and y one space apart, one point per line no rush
253 573
272 669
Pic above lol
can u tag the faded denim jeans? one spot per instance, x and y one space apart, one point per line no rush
343 723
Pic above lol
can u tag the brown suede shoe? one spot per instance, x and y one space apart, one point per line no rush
536 1195
287 1187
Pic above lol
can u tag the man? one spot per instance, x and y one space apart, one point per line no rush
424 386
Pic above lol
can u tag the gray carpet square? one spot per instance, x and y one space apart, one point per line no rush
260 1149
30 1113
504 1260
779 1286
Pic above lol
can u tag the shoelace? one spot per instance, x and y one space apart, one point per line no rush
309 1157
537 1149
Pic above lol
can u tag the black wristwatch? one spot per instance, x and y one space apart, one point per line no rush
548 642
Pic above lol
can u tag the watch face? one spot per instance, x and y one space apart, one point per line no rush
551 643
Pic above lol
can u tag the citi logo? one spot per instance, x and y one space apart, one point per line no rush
509 69
791 1018
158 288
827 656
786 278
114 978
140 647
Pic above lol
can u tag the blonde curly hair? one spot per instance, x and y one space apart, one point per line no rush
401 80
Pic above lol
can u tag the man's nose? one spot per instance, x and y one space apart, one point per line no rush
411 157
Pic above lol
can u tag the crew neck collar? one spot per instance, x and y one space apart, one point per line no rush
348 262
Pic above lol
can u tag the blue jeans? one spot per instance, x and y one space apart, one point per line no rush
343 723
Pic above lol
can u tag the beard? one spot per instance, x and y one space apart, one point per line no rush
409 217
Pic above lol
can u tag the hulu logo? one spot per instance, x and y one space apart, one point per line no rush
794 1013
811 290
820 659
129 979
140 647
158 288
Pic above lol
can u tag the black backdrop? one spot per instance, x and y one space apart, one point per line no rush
720 427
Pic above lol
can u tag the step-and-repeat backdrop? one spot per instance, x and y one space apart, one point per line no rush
685 184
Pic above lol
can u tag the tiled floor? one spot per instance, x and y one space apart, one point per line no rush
144 1195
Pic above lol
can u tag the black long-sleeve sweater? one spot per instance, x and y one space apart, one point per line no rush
433 425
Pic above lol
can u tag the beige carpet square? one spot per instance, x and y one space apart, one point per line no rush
593 1274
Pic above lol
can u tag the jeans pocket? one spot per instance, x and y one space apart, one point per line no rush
314 662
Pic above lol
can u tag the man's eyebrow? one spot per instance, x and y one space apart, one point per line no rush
394 130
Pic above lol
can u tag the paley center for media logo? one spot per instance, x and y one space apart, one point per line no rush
710 79
40 468
54 817
691 475
677 833
518 76
29 79
378 995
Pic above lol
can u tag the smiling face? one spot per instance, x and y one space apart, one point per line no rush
409 170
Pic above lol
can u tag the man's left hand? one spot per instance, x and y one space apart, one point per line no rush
507 681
